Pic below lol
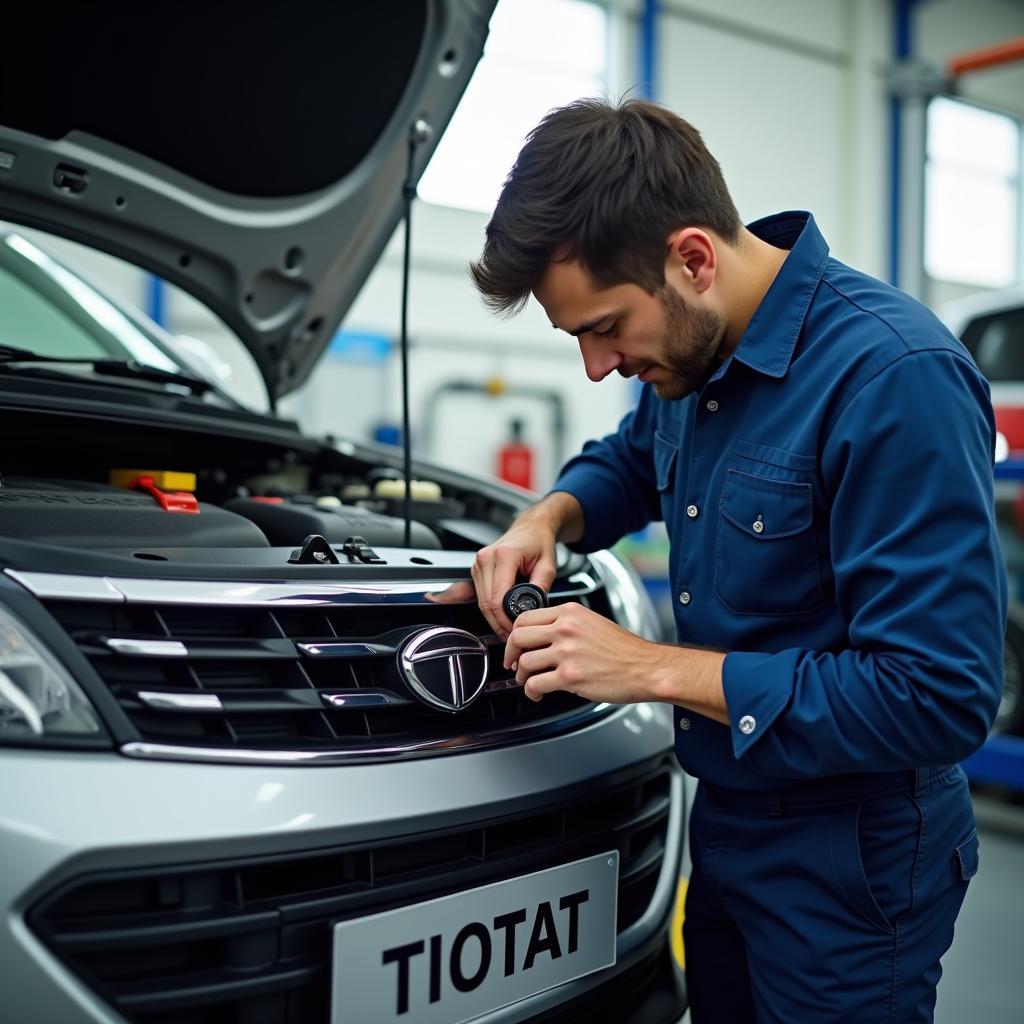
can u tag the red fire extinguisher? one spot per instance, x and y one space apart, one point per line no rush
515 458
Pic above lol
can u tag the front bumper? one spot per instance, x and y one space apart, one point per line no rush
67 817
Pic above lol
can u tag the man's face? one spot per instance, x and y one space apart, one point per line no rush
660 338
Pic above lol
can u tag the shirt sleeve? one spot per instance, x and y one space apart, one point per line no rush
919 578
614 479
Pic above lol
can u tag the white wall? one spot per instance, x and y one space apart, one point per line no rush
789 96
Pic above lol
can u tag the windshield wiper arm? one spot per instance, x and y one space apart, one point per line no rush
129 368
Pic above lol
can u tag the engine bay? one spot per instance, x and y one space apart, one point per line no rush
241 497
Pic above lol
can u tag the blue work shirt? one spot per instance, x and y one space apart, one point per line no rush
829 502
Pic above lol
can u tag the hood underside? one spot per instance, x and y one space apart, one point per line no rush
253 154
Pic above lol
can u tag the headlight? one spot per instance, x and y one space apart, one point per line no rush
38 698
628 597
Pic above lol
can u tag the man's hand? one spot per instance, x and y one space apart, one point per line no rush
573 648
527 549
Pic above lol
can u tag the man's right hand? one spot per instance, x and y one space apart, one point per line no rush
526 549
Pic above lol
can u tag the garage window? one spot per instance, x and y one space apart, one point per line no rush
972 194
539 54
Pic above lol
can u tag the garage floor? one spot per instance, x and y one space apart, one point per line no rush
983 974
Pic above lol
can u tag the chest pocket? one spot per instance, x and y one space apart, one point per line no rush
766 558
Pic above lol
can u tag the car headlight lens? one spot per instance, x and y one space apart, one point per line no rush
38 697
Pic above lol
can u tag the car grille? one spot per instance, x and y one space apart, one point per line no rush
203 679
249 941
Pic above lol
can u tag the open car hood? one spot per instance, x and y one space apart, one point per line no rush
253 154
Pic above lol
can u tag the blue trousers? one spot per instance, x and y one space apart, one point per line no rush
829 901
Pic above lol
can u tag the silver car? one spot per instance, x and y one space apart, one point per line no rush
254 770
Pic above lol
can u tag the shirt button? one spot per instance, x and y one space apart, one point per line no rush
684 597
712 406
758 527
692 511
684 724
747 725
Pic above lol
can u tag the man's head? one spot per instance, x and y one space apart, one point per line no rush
611 216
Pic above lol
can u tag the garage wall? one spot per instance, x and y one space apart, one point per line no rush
789 96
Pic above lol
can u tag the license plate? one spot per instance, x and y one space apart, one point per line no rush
449 960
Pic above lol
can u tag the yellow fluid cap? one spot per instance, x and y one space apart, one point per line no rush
495 386
165 479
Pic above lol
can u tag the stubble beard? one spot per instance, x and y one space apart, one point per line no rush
692 338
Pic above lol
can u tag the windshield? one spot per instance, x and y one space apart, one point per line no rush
46 308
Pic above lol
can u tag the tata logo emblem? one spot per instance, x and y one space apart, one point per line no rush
445 668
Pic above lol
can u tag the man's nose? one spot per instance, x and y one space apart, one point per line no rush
598 359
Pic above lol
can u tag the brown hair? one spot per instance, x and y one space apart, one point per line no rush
606 185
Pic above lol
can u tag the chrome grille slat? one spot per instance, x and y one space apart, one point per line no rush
181 701
257 701
345 649
147 648
117 589
198 649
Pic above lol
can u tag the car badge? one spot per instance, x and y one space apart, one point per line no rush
445 668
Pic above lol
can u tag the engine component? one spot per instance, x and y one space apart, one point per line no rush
80 514
314 551
285 523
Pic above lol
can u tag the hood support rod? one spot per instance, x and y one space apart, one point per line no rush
419 132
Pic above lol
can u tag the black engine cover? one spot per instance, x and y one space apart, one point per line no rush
87 515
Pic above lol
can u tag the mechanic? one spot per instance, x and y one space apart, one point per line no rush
820 449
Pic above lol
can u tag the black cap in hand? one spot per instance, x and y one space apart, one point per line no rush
523 597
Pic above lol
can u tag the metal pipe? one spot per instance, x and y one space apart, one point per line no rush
987 57
902 48
649 50
547 396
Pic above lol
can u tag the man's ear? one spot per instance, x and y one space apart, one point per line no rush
692 261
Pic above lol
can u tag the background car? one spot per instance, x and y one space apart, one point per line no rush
991 325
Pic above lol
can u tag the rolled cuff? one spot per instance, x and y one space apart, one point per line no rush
758 687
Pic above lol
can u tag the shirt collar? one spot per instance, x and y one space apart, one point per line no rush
768 342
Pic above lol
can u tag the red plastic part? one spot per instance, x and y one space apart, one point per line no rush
169 501
515 464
